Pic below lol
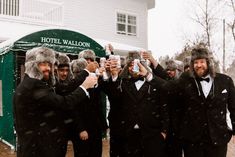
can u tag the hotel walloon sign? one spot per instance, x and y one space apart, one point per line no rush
67 42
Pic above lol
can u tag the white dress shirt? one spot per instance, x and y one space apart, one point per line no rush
206 86
139 84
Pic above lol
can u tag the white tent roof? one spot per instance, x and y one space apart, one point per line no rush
119 48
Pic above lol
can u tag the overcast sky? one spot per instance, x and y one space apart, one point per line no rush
170 24
166 27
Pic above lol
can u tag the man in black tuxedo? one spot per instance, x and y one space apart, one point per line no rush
204 97
207 98
35 104
143 109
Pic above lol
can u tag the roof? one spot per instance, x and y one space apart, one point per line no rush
119 48
151 4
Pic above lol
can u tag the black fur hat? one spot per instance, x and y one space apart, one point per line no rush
132 55
202 53
199 53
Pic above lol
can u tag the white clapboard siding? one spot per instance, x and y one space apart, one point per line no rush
97 18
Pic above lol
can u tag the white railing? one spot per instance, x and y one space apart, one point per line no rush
9 7
47 12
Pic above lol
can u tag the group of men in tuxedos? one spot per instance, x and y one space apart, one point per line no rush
151 114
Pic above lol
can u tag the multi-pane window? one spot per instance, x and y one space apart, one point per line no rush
126 24
9 7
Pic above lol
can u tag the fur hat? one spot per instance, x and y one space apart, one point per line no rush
78 65
87 54
199 53
132 55
34 57
171 65
63 61
202 53
123 61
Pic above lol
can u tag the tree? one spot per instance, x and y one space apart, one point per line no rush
231 70
186 53
206 15
231 24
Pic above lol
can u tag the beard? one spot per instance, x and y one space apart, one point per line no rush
63 77
201 72
46 75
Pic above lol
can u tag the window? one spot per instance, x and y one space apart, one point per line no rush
9 7
126 24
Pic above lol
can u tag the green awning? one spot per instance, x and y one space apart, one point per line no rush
61 40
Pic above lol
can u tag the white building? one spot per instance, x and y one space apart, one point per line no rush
123 23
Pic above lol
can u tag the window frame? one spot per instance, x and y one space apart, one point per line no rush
126 32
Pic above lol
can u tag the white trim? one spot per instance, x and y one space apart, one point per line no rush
24 20
8 144
62 20
27 17
20 7
51 1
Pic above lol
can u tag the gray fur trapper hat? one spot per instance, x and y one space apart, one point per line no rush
62 60
34 57
171 65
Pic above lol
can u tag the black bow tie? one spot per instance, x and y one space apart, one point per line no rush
137 79
204 79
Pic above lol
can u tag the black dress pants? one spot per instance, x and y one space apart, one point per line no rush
92 147
118 145
145 145
174 146
204 150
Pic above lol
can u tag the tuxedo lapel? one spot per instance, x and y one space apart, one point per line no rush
131 90
142 91
216 87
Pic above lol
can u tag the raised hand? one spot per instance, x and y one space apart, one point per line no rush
142 70
148 56
83 135
114 70
92 66
89 82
